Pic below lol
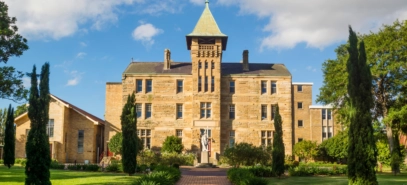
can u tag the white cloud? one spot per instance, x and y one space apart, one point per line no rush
80 55
83 44
310 68
27 82
145 33
75 78
318 23
197 2
44 19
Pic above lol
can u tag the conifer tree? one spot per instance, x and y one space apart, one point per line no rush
278 145
37 146
362 152
9 139
129 129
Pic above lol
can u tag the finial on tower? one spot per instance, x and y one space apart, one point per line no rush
207 3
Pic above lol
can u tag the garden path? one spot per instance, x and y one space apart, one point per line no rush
203 176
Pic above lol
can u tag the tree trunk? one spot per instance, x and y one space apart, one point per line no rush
389 133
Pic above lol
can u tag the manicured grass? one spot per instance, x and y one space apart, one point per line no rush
16 175
383 178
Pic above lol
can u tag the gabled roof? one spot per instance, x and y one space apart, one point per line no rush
185 68
94 119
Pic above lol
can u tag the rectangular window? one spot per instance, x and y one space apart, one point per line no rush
139 84
299 105
209 132
180 86
266 137
179 133
50 128
149 85
300 123
199 84
231 111
206 65
273 111
231 138
323 113
263 87
273 87
206 110
263 112
206 84
300 139
81 136
299 88
148 110
213 84
213 65
329 114
324 131
232 86
138 110
199 65
145 136
179 111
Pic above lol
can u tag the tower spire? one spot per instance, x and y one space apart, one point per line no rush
207 3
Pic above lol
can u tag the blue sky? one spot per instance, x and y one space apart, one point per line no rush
91 42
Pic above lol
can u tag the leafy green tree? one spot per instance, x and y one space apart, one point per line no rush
21 109
37 146
335 148
116 142
172 144
246 154
362 152
11 44
3 118
306 149
129 132
278 145
9 139
385 52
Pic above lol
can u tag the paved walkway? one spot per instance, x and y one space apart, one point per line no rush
203 176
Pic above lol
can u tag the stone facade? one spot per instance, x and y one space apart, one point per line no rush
240 98
68 121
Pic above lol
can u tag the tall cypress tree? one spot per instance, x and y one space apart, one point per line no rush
362 152
129 129
9 139
278 145
37 146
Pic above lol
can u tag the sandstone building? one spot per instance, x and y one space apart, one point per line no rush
234 101
74 134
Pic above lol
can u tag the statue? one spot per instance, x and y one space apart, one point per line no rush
204 142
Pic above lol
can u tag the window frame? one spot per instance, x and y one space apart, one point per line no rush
273 111
148 111
298 105
263 86
273 86
206 110
149 87
180 86
206 88
139 106
180 111
232 135
232 89
263 112
81 142
199 83
232 111
323 113
266 138
212 84
50 128
139 86
302 123
145 136
299 88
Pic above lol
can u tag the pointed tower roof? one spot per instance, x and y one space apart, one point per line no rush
206 27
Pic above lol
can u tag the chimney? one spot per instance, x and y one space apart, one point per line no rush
167 59
245 60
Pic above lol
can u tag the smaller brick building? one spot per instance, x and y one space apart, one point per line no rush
74 134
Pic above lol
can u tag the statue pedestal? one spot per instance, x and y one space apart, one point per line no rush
204 157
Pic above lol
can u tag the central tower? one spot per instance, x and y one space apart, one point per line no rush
206 43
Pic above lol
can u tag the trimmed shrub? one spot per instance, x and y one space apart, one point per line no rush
261 171
114 166
243 176
56 165
20 160
91 167
162 175
23 163
309 170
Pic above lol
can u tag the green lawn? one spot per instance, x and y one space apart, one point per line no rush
383 178
16 175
